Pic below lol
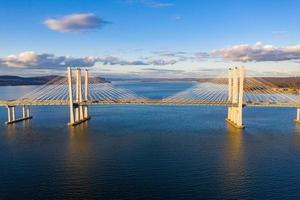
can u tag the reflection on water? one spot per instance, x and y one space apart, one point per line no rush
139 152
297 129
296 138
79 149
234 149
78 162
11 132
234 172
21 128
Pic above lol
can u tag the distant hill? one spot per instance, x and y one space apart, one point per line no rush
281 82
284 82
7 80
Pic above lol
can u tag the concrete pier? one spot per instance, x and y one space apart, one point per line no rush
79 107
86 93
298 116
71 104
235 97
11 114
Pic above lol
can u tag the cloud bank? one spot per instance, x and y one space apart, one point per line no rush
242 53
258 53
31 59
75 23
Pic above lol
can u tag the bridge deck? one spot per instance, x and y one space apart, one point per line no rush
144 102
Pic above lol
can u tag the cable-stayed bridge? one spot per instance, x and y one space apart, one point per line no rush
79 91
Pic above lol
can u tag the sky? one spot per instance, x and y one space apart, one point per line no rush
150 38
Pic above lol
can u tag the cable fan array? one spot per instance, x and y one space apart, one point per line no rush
215 91
56 92
99 91
258 90
201 93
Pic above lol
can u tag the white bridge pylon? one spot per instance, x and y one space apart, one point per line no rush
236 91
298 116
78 106
236 78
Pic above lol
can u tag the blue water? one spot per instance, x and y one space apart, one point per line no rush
150 152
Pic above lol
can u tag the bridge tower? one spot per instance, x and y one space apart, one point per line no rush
78 107
298 116
235 97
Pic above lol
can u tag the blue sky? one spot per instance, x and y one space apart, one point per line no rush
149 38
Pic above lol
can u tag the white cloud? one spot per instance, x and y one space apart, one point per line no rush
177 17
162 62
31 59
75 22
150 3
258 52
242 53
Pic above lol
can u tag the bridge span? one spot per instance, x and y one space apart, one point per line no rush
235 92
143 102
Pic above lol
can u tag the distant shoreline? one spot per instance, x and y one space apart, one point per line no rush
7 80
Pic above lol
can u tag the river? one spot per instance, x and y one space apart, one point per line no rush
149 151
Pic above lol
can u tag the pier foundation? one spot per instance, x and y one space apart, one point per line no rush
11 114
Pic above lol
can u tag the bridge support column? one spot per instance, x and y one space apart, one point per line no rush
77 113
81 117
230 75
9 118
235 97
71 103
298 116
11 114
86 94
24 111
79 106
27 111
